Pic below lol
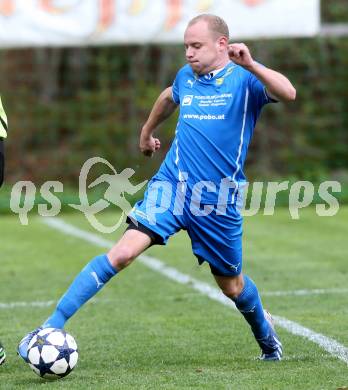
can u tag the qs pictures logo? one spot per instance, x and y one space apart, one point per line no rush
23 195
118 185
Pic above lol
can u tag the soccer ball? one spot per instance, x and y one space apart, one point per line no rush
52 353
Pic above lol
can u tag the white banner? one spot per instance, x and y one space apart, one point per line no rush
26 23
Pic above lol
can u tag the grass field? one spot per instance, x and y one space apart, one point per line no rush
146 331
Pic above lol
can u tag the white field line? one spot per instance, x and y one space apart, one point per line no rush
328 344
185 279
13 305
317 291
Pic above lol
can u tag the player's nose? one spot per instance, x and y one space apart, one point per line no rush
189 53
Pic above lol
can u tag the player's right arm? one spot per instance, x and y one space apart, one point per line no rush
161 110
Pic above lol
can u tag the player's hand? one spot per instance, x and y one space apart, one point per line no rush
239 53
148 145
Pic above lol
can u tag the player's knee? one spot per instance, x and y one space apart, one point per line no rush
233 290
121 256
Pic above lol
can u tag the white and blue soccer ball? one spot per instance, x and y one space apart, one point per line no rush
52 353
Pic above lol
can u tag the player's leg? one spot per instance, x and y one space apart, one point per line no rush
217 239
243 291
91 280
2 168
96 274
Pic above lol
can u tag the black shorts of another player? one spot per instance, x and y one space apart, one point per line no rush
2 161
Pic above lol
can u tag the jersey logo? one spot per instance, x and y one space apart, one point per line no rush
219 81
187 100
190 82
235 267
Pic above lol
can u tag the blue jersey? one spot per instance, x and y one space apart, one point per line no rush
216 122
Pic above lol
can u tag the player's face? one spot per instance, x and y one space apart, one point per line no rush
203 49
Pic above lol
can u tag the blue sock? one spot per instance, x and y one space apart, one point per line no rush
86 284
249 304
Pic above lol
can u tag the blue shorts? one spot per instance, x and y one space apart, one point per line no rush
215 237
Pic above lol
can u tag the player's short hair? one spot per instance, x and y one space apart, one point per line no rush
216 24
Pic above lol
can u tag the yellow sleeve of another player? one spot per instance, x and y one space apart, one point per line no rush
3 122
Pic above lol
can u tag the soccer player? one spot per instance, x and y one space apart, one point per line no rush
3 134
221 92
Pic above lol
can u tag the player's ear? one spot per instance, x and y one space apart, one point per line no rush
223 42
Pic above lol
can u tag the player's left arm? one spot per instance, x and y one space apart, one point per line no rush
277 85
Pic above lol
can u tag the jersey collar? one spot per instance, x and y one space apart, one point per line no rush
218 72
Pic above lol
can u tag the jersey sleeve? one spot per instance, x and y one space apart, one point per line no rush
175 90
258 92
